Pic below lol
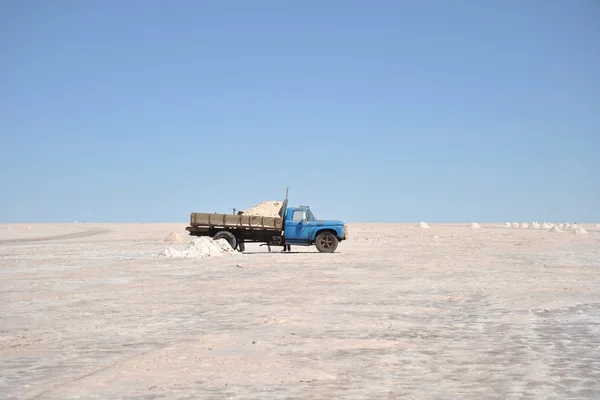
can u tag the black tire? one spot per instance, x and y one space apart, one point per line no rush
326 242
227 236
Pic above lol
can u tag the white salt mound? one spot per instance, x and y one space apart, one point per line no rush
597 226
507 224
579 231
174 237
265 209
515 225
524 225
546 226
534 225
422 225
201 247
555 229
474 225
567 226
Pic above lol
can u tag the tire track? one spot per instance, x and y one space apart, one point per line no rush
75 235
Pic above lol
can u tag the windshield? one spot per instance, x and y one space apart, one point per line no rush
310 215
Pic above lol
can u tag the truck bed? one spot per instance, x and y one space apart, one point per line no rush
246 222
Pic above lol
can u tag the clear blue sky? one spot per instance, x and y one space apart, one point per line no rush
368 110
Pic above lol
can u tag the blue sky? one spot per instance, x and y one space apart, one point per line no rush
378 111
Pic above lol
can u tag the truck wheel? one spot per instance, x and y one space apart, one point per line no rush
326 242
227 236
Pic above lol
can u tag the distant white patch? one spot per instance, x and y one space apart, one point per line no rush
421 225
174 237
579 231
474 225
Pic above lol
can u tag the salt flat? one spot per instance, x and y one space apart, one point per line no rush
88 311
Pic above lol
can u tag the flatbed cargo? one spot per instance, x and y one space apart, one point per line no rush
236 221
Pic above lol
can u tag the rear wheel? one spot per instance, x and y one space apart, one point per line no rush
326 242
227 236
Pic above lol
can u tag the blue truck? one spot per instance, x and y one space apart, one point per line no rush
294 226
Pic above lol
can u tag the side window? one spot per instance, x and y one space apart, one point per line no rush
298 215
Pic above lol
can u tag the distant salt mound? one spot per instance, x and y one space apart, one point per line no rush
579 231
515 225
534 225
474 225
524 225
569 226
201 247
174 237
507 224
265 209
597 226
546 226
561 226
555 229
421 225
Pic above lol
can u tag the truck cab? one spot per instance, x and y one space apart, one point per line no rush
300 227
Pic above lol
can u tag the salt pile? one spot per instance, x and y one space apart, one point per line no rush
534 225
555 229
597 226
515 225
174 237
201 247
546 226
474 225
524 225
579 231
567 226
265 209
422 225
507 224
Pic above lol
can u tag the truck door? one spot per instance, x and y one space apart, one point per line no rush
297 228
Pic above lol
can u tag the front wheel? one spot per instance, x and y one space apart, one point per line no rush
326 242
